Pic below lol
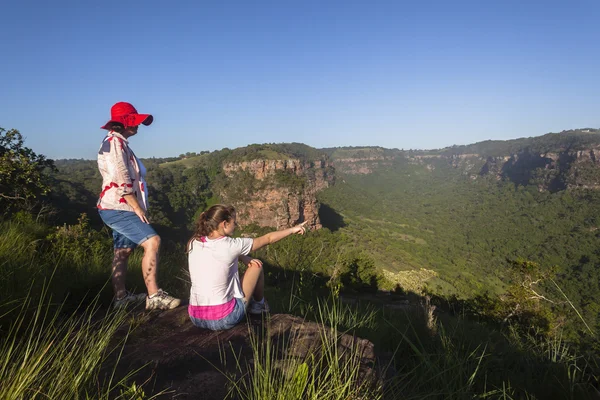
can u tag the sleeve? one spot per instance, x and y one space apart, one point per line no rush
118 157
242 246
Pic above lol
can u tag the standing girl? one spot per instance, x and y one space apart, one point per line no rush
217 298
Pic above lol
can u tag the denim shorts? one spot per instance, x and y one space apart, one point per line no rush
128 229
232 319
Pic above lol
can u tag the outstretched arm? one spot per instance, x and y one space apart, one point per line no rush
276 236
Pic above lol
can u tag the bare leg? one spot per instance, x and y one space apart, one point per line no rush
150 263
119 271
253 284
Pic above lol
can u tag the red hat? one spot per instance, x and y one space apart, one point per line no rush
126 114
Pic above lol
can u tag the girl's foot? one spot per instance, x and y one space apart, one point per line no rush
258 307
129 299
161 301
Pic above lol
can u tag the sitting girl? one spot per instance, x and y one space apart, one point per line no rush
217 299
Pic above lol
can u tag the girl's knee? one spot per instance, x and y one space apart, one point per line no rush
122 252
256 265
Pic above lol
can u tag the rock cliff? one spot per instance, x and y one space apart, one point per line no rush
361 165
552 171
276 193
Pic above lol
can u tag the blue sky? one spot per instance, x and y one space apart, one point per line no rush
419 74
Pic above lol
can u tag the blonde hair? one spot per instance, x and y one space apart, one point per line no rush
209 221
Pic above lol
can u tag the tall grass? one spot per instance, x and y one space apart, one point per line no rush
329 371
18 249
46 354
77 257
435 355
460 359
55 328
54 349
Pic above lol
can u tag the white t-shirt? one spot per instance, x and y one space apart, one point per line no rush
213 268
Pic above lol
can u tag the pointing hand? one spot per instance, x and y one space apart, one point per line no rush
301 228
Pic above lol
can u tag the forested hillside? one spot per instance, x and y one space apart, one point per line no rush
466 223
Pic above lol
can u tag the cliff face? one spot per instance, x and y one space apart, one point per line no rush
549 171
276 193
360 165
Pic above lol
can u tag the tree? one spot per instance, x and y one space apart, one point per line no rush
528 300
358 271
23 173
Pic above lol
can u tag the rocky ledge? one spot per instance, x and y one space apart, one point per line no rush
168 356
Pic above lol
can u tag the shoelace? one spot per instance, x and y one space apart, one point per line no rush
162 294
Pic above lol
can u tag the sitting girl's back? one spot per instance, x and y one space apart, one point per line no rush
218 300
214 269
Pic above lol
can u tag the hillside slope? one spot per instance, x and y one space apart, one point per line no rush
465 216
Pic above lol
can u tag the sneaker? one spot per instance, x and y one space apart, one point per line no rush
161 301
129 299
258 308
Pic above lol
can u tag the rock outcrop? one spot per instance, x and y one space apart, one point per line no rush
549 171
277 193
361 165
168 355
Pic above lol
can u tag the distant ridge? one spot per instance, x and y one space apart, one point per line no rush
569 140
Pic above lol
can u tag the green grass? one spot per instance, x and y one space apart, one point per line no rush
280 371
77 258
53 336
194 161
56 326
420 357
205 159
47 354
433 354
30 253
269 154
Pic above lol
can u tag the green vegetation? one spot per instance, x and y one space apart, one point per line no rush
333 372
48 355
426 353
271 151
76 258
55 329
22 171
552 142
288 179
337 153
507 306
570 140
408 217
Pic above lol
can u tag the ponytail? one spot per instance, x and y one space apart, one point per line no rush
201 224
209 221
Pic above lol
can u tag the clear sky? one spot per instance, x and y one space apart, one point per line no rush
419 74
